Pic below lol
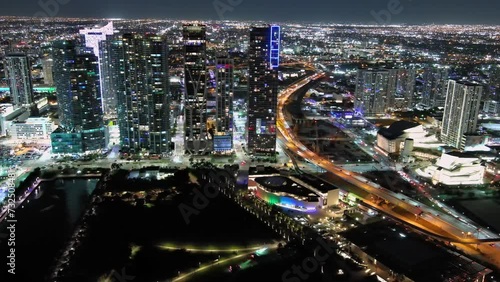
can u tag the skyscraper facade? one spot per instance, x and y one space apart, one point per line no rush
223 136
263 62
93 38
17 68
371 95
460 112
110 54
139 78
76 71
63 54
379 90
47 65
197 138
86 101
435 81
401 96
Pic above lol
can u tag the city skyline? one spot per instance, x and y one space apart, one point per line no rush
236 151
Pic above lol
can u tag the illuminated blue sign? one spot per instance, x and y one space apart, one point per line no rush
274 53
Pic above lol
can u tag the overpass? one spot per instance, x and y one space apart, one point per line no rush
437 224
427 232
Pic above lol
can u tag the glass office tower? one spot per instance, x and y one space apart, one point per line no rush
263 62
137 73
223 136
81 125
197 140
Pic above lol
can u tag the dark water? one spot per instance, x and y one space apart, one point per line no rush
43 227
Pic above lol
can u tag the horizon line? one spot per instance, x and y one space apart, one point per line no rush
370 23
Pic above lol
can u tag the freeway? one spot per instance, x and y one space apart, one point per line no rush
450 215
437 223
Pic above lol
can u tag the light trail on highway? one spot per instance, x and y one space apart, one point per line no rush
444 225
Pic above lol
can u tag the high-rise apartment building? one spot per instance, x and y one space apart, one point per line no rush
197 138
461 112
63 54
47 65
17 68
76 72
371 96
378 90
401 96
87 103
223 135
136 72
111 67
93 38
263 62
435 81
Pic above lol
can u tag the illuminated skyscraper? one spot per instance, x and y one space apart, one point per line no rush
17 68
371 96
76 71
402 91
263 62
378 90
111 71
87 110
93 38
435 81
461 112
63 54
197 139
494 84
223 139
139 78
95 35
47 65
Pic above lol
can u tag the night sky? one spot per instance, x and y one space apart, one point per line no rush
341 11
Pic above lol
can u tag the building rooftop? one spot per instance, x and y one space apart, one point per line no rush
317 183
409 254
285 185
468 83
397 129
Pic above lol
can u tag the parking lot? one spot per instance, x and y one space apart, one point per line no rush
12 155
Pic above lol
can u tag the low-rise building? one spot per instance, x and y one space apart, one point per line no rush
8 115
32 128
491 107
456 168
392 140
293 192
286 193
66 142
380 245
